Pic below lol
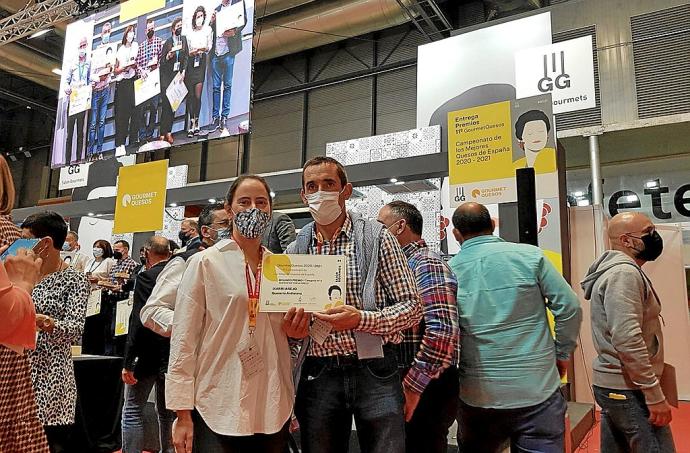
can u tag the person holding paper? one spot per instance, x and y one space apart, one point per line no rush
78 77
200 41
628 338
96 270
71 244
229 377
60 298
148 59
226 44
100 83
125 73
428 354
173 63
381 301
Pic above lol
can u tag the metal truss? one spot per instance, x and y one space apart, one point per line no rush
34 17
427 17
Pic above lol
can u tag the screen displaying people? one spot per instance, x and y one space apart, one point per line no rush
139 83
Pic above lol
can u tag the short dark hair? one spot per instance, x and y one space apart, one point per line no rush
240 179
105 245
124 243
325 160
333 288
206 215
47 224
532 115
410 213
198 9
472 222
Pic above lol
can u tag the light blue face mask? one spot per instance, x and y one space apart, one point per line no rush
65 247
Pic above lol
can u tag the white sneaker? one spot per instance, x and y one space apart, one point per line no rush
225 132
120 151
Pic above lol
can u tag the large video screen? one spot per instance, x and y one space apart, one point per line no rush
150 74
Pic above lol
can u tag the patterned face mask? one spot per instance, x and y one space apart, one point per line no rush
252 223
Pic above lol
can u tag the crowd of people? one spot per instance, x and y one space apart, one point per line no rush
418 343
181 58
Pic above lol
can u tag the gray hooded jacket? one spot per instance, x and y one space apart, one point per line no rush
625 326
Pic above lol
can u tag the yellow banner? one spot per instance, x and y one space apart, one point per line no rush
135 8
140 203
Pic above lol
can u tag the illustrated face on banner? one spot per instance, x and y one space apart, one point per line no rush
534 136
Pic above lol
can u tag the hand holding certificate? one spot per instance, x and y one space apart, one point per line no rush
311 282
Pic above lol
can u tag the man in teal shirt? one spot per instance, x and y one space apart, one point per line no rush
509 360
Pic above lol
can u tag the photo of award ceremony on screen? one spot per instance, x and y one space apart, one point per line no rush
150 74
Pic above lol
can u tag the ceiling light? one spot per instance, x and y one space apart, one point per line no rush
631 198
40 33
211 200
27 153
28 107
650 184
578 193
583 202
399 183
57 71
273 194
12 157
173 205
394 180
90 214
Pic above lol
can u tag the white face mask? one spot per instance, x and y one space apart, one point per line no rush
324 206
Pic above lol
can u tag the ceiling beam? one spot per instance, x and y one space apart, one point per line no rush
24 101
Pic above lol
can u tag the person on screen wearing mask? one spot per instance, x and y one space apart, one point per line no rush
222 402
157 314
100 82
200 39
380 304
173 62
626 327
126 123
189 235
97 270
78 77
148 58
71 244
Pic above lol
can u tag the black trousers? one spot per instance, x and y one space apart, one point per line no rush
207 441
58 438
79 120
427 432
126 118
167 115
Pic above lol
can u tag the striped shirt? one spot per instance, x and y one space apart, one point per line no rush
432 347
396 293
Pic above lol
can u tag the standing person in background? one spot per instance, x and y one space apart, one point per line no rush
125 74
148 58
428 354
60 298
146 360
509 360
226 44
78 77
189 235
97 270
220 406
200 41
629 340
280 233
173 62
20 429
157 314
72 245
115 292
100 81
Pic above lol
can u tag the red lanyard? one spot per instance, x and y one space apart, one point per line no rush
253 293
319 242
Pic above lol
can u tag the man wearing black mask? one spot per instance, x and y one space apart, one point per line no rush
148 59
189 235
628 339
119 275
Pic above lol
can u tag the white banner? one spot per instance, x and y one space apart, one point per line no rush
74 176
565 69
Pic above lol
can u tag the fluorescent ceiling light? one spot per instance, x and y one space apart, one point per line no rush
650 184
399 183
173 205
631 198
579 193
40 33
57 71
583 203
393 180
273 194
211 200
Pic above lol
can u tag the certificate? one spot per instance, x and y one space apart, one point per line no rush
176 92
312 282
145 89
230 17
93 304
123 312
79 99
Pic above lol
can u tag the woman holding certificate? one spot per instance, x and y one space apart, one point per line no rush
200 41
125 72
229 377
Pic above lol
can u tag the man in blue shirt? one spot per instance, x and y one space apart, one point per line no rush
509 360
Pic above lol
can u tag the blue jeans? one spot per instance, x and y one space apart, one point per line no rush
333 390
625 426
99 109
539 428
222 75
136 397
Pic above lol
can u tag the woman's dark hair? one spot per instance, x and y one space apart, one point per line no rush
175 22
127 30
197 11
532 115
236 184
47 224
105 245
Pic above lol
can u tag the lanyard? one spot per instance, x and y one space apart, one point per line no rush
319 242
97 265
253 293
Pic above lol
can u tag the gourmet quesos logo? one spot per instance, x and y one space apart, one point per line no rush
138 199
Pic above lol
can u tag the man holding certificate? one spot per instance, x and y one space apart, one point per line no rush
227 23
79 92
148 59
349 366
